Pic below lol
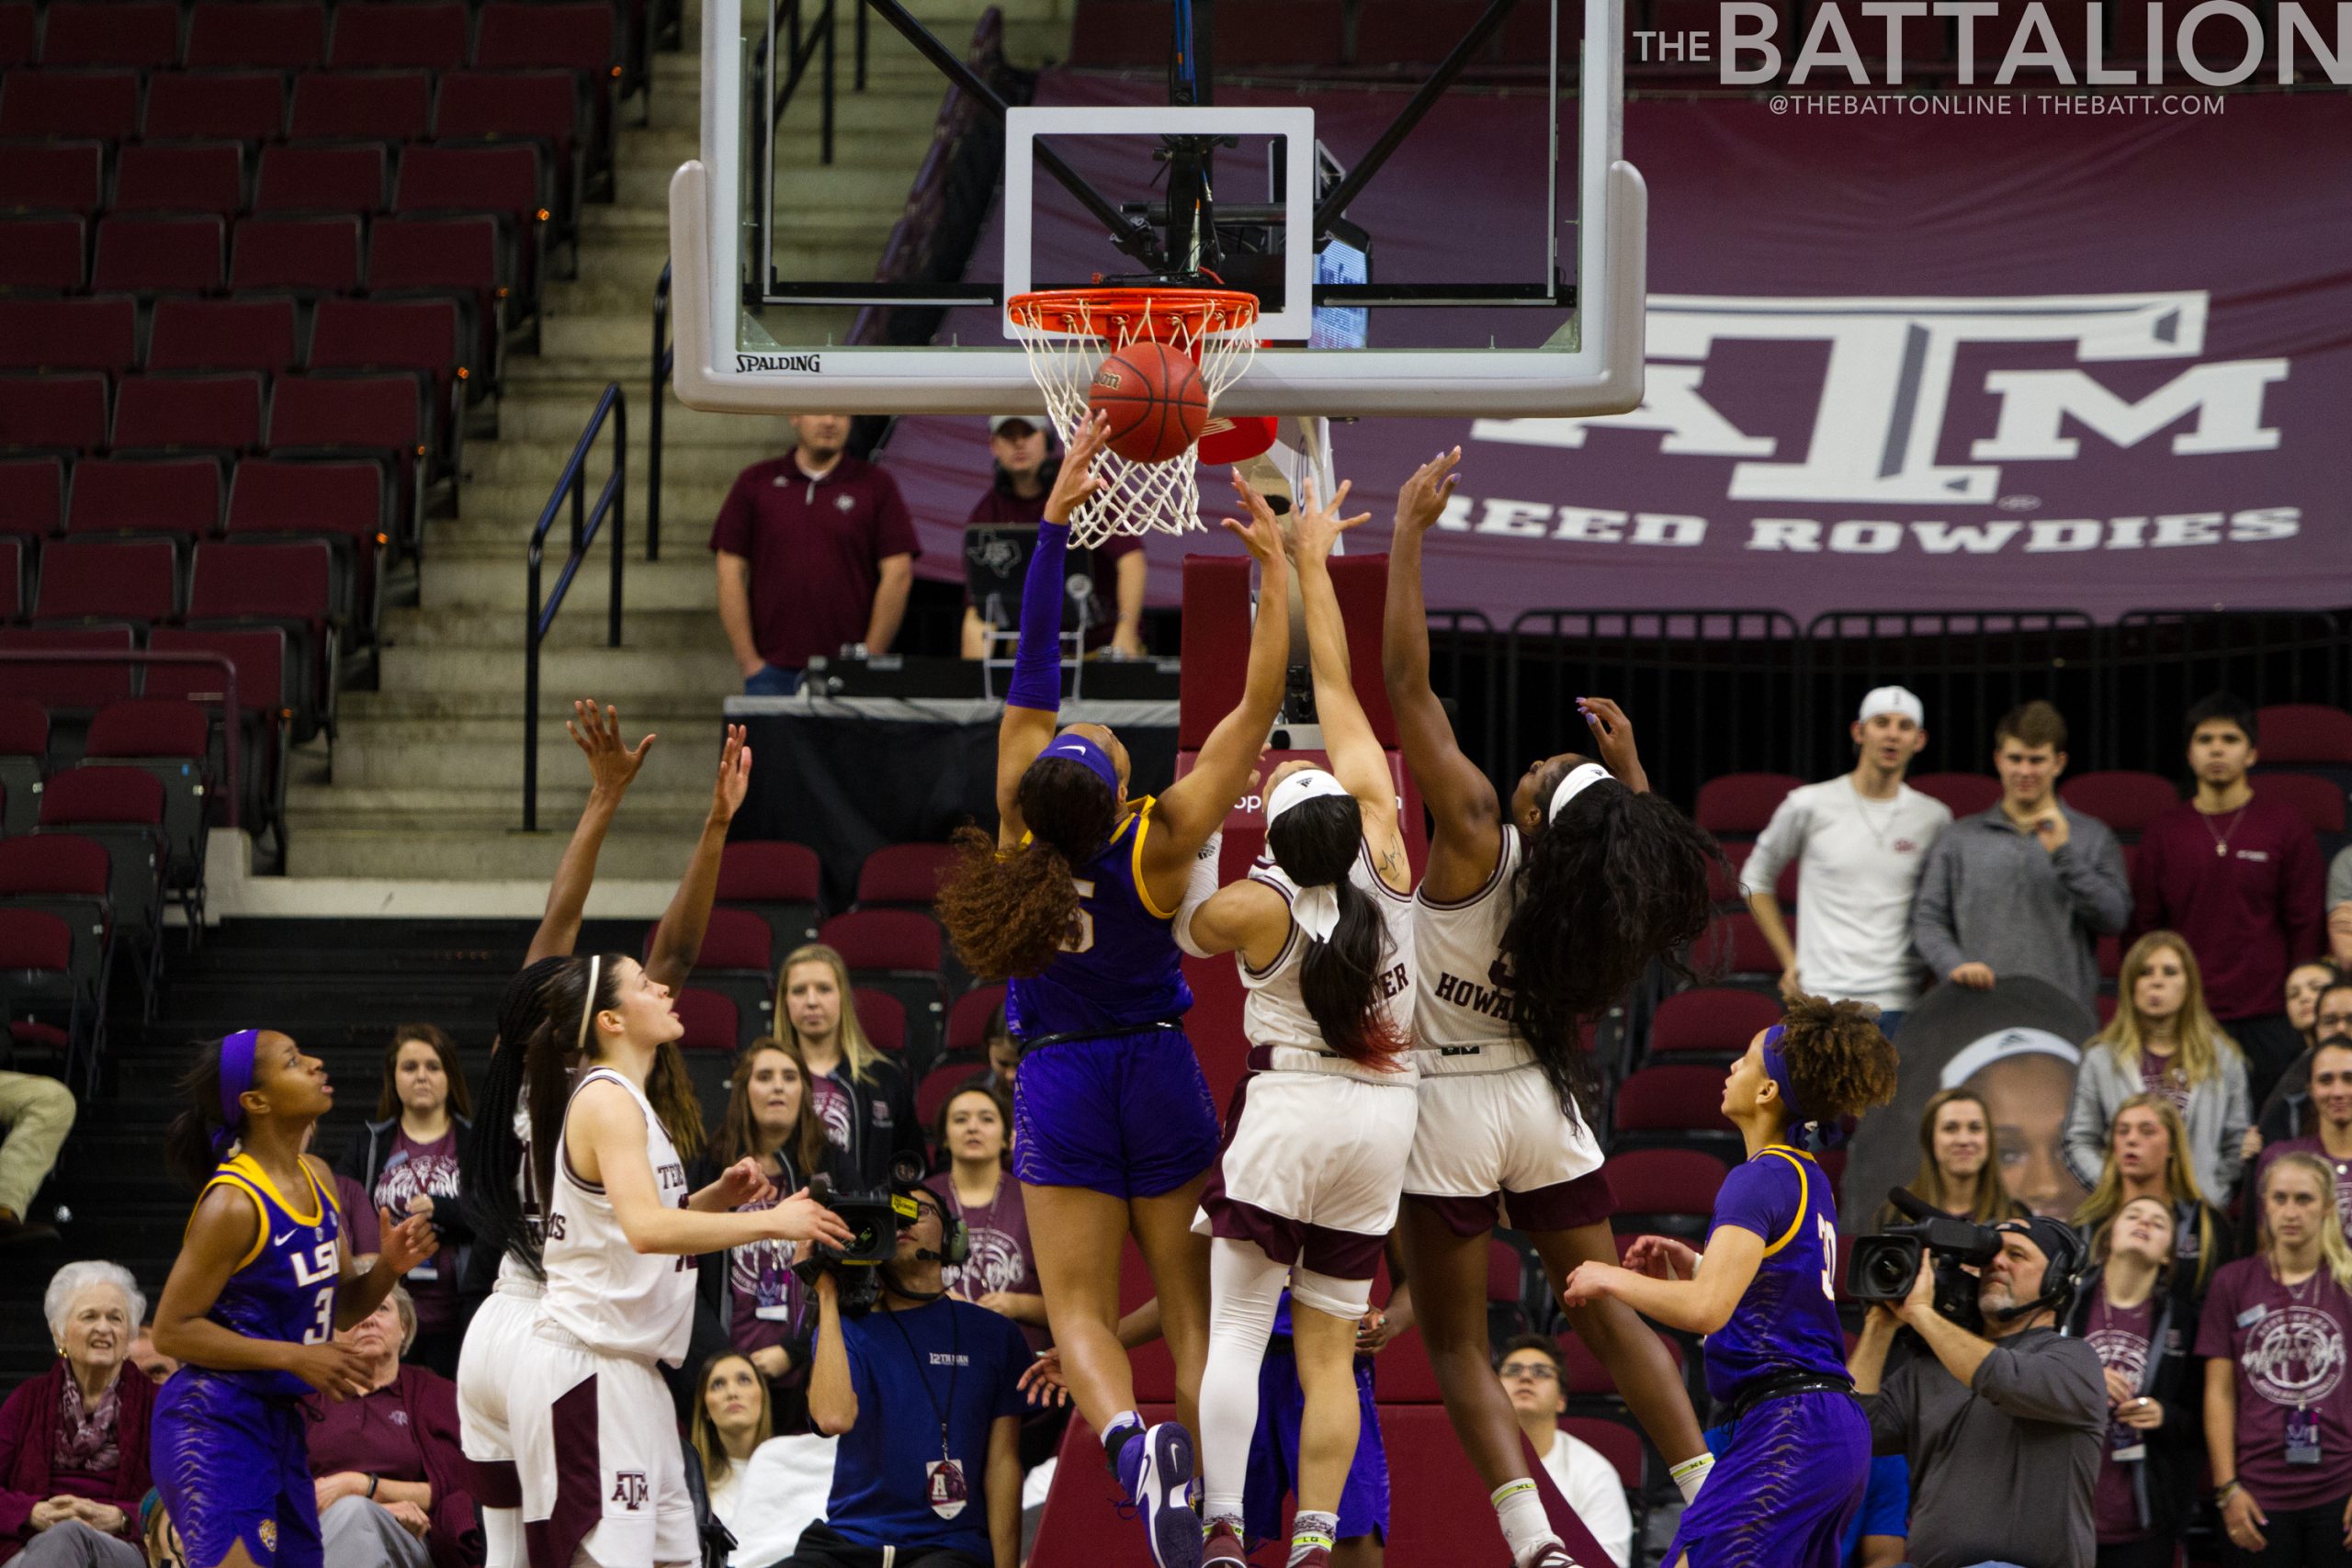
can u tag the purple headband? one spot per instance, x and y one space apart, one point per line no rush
1088 755
236 1077
1808 1134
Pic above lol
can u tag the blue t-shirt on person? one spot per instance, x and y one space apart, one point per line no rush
946 1359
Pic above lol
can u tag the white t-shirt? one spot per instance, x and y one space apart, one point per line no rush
1859 863
768 1500
1595 1490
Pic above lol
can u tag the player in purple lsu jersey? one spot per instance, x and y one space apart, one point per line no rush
1071 902
262 1282
1798 1453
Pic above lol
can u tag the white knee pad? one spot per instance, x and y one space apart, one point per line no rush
1349 1299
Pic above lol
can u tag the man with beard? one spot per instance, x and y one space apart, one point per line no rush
2015 1414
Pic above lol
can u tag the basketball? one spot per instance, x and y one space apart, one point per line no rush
1153 396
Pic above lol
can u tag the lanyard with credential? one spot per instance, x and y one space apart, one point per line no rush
954 1366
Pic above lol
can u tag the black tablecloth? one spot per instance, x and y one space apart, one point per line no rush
847 776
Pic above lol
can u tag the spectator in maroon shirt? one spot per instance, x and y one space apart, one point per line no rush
391 1474
816 552
73 1440
2238 874
1025 467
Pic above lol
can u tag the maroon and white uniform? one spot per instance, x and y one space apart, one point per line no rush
594 1430
1492 1127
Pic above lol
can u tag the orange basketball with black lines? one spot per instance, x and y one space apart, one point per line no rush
1154 400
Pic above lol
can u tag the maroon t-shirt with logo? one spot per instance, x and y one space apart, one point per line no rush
2120 1334
816 549
370 1436
2310 1145
411 1169
1001 1258
2288 1345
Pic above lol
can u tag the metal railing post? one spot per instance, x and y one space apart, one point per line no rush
620 484
825 134
611 501
654 417
531 695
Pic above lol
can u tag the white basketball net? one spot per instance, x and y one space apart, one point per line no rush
1067 338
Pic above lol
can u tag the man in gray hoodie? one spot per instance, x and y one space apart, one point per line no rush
2029 886
2002 1433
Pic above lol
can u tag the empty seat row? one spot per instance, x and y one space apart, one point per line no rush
251 333
397 105
298 36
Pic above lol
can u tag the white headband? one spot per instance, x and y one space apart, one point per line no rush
1305 785
1582 777
587 1005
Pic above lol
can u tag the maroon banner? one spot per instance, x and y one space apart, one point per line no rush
1922 361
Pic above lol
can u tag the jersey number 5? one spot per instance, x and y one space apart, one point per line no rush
1082 925
1828 1233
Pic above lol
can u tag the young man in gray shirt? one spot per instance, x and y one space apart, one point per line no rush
2029 886
2002 1433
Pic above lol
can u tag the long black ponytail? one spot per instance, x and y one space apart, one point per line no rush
189 1152
1617 881
573 994
1317 843
493 1158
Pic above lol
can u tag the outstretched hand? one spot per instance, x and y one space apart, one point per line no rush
1316 527
1043 1380
1662 1258
734 783
1613 737
1077 483
1423 500
611 765
405 1244
1261 532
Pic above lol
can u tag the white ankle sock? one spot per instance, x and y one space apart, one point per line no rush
1690 1474
1308 1531
1520 1512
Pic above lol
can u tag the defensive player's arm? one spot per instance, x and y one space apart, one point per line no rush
605 1135
1697 1305
1358 760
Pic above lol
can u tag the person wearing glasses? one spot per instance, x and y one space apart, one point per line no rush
1535 1382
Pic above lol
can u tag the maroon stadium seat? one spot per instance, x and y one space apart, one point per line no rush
69 334
1587 1378
306 255
1617 1443
516 37
217 413
904 875
2125 800
1742 803
244 105
53 410
1713 1017
17 27
345 177
221 334
272 37
180 495
883 1019
43 252
392 106
1672 1102
1966 794
377 415
968 1020
736 939
710 1019
340 501
460 257
67 875
939 1086
1671 1191
82 579
140 33
506 104
180 176
33 496
419 335
776 881
14 585
387 38
2319 801
268 693
505 180
34 943
103 103
2304 734
52 176
900 951
146 255
1734 944
122 809
69 683
288 583
171 741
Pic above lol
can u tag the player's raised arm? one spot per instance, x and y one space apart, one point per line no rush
1358 760
1194 807
1461 799
1033 705
611 767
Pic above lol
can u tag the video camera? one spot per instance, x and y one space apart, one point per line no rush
875 1220
1884 1267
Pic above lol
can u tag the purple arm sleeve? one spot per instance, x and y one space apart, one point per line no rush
1037 661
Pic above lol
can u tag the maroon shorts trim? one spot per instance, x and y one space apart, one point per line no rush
579 1481
1343 1255
496 1483
1562 1206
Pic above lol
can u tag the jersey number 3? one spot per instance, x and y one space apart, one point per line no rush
1828 1233
1082 925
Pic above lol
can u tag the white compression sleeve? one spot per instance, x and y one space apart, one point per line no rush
1200 881
1244 1287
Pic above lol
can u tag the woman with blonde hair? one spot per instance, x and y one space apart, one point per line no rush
2163 1042
862 1097
1957 1171
2277 1407
2144 1160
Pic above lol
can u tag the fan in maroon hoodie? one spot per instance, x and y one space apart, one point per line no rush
2237 873
73 1440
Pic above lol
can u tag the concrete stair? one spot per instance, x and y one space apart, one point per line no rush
425 781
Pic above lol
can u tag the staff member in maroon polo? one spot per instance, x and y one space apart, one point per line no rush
816 551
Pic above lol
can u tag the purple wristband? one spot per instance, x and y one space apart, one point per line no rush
1037 660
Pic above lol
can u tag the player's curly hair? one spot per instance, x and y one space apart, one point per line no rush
1840 1061
1618 881
1007 913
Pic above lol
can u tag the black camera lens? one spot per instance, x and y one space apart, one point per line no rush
1891 1273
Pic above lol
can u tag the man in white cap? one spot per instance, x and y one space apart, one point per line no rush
1859 842
999 532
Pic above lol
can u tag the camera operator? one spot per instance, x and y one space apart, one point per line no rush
2003 1434
924 1392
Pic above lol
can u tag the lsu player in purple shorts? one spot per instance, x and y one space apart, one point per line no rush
262 1282
1791 1473
1071 902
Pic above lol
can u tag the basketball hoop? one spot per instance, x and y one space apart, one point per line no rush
1066 333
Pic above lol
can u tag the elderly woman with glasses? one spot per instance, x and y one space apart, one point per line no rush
73 1440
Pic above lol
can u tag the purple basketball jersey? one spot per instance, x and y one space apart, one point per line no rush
1119 970
1786 1321
285 1287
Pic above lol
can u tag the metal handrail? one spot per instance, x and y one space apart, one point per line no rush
665 356
612 501
231 711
